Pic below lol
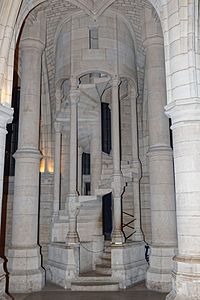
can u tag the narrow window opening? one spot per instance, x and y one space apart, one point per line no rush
106 127
12 136
86 173
93 38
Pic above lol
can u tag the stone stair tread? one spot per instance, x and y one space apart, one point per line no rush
107 258
92 276
87 86
103 191
94 285
102 266
96 282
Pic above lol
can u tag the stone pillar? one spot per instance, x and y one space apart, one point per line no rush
72 201
163 219
57 163
95 154
137 236
24 259
80 155
186 140
5 118
117 184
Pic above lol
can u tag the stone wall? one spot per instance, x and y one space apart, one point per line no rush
55 12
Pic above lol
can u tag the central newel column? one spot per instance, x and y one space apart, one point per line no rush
95 150
57 167
137 236
118 183
163 218
72 199
24 259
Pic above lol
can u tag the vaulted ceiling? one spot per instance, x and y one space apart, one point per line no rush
95 7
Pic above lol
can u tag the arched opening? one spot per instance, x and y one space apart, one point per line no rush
82 131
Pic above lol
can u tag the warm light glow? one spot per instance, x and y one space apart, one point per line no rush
50 166
42 165
5 100
46 165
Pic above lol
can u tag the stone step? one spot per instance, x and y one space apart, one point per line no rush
101 192
94 285
85 86
103 269
87 199
107 252
105 186
107 172
106 169
106 176
100 80
106 261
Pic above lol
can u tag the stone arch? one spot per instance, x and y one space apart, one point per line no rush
15 18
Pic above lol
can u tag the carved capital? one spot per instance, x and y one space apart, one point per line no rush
34 31
74 96
137 170
57 127
118 185
6 116
116 81
133 93
73 205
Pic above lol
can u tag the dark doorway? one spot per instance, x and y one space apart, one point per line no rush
12 135
106 127
107 216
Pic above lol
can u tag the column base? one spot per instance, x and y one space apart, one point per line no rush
26 274
173 296
117 237
3 295
185 279
63 264
128 263
159 274
137 236
72 238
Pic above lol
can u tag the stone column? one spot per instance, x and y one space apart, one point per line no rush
80 154
72 236
163 219
186 140
117 184
57 162
24 259
95 154
136 166
5 118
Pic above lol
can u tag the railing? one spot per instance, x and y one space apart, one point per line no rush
129 224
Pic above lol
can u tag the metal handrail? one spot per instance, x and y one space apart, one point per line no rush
124 225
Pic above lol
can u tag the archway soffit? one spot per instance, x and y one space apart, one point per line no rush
90 7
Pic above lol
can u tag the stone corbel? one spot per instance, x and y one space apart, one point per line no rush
115 81
57 127
136 170
74 94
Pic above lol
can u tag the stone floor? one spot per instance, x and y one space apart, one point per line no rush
53 292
